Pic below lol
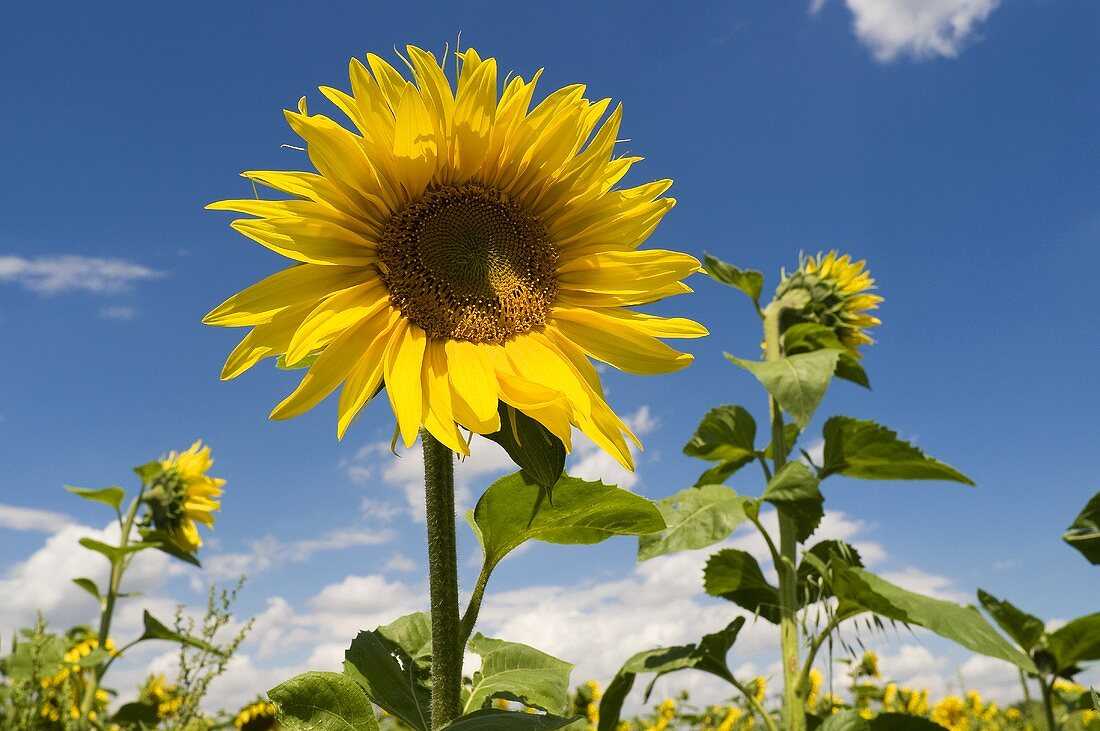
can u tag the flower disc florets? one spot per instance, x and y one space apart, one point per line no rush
838 297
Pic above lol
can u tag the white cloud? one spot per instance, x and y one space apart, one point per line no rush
69 272
590 462
268 552
122 314
917 28
46 521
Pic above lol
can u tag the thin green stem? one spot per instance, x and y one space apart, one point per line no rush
469 619
118 567
1048 701
1027 690
756 705
439 492
776 558
815 647
794 709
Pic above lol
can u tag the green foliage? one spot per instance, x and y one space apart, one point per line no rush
491 719
388 672
748 281
794 493
726 435
709 656
960 624
696 517
1084 533
797 382
533 448
735 575
89 586
110 496
850 720
163 542
1075 642
316 701
1025 629
514 510
806 337
859 448
533 677
156 630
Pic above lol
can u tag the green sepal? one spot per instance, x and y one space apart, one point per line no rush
749 281
514 510
735 575
391 676
1025 629
533 677
696 517
492 719
864 449
805 337
149 471
305 361
157 630
109 496
319 701
797 382
794 493
530 445
1084 534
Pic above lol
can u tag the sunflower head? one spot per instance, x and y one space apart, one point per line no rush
157 692
257 716
460 248
182 494
836 292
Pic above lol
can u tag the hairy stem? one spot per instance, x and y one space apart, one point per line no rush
794 710
469 619
439 492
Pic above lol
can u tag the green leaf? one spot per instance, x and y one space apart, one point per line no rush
110 496
392 678
530 445
848 720
533 676
859 448
794 493
902 722
94 658
1026 630
492 719
156 630
1076 642
514 510
725 435
790 438
149 471
305 362
89 586
708 655
163 542
815 568
317 701
113 553
1084 534
735 575
960 624
805 337
798 382
137 714
696 517
748 281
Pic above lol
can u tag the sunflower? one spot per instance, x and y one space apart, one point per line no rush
258 716
183 494
839 298
461 249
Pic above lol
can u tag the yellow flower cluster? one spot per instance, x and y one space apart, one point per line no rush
157 692
65 688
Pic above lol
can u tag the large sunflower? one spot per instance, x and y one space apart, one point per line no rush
462 250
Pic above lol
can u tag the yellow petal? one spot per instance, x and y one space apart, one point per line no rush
298 285
473 382
335 314
403 363
414 143
475 110
265 340
439 417
365 376
618 343
309 241
625 272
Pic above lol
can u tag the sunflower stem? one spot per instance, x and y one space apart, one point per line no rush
794 710
439 492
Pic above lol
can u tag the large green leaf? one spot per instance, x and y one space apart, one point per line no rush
514 509
747 280
318 701
390 674
111 496
794 493
859 448
137 715
815 568
1026 630
804 337
726 435
735 575
1076 642
696 517
798 382
708 655
1084 534
530 445
534 677
114 554
960 624
903 722
492 719
156 630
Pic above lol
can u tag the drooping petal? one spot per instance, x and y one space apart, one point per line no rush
403 364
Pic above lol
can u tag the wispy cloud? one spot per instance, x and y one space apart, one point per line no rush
270 552
122 314
72 273
45 521
920 29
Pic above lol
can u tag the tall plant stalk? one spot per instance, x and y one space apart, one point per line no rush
439 484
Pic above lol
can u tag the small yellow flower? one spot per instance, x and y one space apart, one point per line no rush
816 679
838 296
759 688
258 716
951 712
166 698
183 494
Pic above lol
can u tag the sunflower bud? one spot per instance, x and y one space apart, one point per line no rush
183 494
833 291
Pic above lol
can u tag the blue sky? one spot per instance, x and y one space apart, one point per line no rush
955 150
